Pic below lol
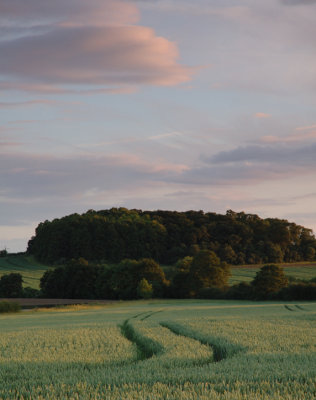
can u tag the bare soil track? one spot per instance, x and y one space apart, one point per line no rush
31 303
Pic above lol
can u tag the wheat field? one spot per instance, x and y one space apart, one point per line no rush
186 349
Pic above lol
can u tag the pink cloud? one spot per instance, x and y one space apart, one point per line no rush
301 137
5 141
55 89
262 115
92 44
306 128
26 103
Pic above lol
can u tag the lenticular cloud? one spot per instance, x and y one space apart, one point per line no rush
95 43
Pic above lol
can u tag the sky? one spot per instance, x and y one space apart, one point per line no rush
156 104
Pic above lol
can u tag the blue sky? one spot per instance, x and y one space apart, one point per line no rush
163 104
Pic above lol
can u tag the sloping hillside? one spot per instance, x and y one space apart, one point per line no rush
30 269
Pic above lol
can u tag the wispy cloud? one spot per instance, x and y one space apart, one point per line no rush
306 128
71 12
59 90
262 115
298 2
301 137
8 143
27 175
132 140
227 11
26 103
311 196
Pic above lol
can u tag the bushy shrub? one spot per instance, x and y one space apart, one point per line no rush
76 280
212 293
30 293
299 291
9 307
240 291
11 285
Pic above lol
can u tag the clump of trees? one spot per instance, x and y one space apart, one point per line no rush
204 270
3 252
11 285
269 280
270 283
122 281
167 236
130 279
76 280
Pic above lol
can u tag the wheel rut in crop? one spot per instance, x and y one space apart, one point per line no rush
300 308
146 347
289 308
150 314
221 347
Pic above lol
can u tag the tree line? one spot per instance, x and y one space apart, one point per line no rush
201 276
167 236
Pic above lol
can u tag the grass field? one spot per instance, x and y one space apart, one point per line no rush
27 266
31 270
246 273
181 349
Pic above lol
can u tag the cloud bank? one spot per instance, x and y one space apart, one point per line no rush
36 187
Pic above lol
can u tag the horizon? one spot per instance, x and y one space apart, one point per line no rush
156 105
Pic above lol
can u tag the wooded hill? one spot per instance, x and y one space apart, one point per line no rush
166 236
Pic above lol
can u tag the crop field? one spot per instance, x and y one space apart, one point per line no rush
180 349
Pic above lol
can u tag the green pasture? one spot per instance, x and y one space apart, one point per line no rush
181 349
27 266
247 273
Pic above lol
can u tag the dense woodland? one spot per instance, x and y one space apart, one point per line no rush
167 236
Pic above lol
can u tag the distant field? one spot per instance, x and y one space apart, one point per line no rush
246 273
180 350
27 266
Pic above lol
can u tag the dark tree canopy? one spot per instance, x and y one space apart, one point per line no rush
204 270
167 236
124 278
11 285
76 280
79 279
207 270
270 279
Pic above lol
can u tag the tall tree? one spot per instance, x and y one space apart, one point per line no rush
207 270
269 279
